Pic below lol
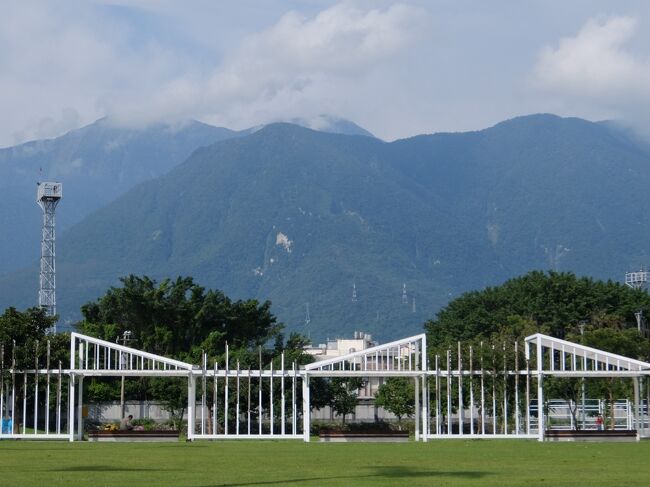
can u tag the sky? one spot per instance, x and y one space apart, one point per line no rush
396 68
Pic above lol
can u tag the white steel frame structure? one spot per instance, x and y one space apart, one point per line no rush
401 358
479 388
560 358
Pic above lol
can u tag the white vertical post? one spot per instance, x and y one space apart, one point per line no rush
294 416
191 406
438 406
71 403
637 425
248 411
494 392
259 397
461 419
282 412
417 409
527 389
24 402
449 424
237 403
225 392
215 401
58 400
204 370
271 399
80 418
47 391
505 391
516 389
482 394
35 388
13 388
471 390
306 408
540 391
80 430
425 408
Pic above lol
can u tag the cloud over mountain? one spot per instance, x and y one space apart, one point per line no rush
597 64
295 59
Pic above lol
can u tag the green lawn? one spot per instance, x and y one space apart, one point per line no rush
455 462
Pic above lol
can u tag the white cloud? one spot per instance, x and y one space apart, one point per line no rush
277 71
61 61
596 64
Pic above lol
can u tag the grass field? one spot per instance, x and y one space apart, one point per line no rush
440 463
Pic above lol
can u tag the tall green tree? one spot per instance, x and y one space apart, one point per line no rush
344 393
549 302
178 317
397 396
23 336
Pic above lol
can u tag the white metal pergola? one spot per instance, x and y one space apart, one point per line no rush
468 389
561 358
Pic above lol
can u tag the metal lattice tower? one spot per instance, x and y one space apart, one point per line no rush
354 292
47 197
405 299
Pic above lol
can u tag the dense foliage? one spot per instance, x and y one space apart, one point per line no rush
178 318
548 302
23 339
397 396
296 217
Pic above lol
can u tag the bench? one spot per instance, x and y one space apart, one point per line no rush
389 436
591 435
131 435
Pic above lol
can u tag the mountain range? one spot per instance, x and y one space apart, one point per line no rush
305 218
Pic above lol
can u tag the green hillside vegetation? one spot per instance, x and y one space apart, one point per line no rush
96 164
295 216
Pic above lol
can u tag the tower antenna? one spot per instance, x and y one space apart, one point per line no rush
405 299
354 292
48 195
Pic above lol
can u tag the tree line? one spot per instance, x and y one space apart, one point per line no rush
181 319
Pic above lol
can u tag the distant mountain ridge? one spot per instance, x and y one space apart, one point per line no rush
97 163
299 217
